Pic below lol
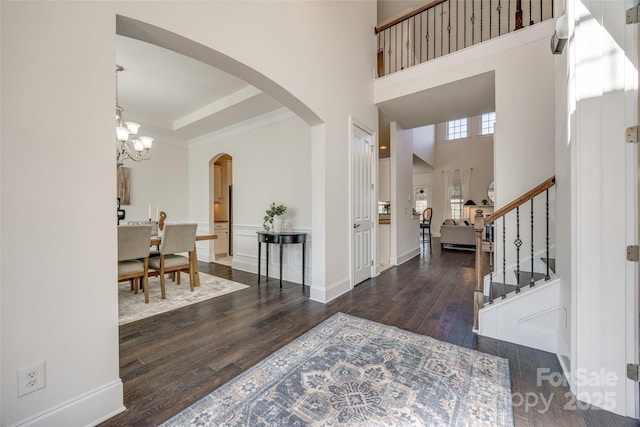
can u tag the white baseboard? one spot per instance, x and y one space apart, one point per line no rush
89 409
408 255
330 292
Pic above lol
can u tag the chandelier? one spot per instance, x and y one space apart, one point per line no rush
128 144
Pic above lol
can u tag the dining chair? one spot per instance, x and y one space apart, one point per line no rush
425 224
133 256
176 239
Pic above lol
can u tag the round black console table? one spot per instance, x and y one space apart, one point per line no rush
280 239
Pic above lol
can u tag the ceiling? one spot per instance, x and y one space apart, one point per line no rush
180 97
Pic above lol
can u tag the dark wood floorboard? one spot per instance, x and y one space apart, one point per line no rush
170 361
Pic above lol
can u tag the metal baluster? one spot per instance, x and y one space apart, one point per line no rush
488 239
504 252
395 56
508 15
490 18
427 36
547 277
457 23
441 30
541 11
481 19
532 281
401 43
518 243
530 13
500 17
435 35
421 38
449 27
464 25
473 22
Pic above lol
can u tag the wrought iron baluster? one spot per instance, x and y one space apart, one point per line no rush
500 17
464 25
449 27
427 36
473 22
518 243
441 29
508 15
395 57
457 22
504 252
489 239
532 281
490 18
530 13
547 277
401 43
541 11
420 38
481 19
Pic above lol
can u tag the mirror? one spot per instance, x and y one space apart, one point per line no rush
491 192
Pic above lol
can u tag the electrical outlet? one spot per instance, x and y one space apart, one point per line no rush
31 378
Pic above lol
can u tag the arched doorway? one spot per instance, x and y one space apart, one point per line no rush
221 208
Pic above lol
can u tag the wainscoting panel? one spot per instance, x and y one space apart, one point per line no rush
245 254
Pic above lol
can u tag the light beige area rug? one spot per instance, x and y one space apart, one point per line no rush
132 307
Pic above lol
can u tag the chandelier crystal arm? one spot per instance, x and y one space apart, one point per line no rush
128 146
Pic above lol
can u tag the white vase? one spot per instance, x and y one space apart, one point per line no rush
277 224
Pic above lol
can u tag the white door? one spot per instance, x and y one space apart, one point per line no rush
362 161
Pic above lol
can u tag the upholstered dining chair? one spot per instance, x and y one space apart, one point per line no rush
425 224
176 239
133 256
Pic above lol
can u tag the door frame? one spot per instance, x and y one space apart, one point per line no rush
353 122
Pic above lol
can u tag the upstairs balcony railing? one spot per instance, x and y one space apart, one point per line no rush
445 26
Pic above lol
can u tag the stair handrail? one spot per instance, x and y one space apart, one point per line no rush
520 200
479 225
408 15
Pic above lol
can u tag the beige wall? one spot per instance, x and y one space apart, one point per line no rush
57 110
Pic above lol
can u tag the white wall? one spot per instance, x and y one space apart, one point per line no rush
601 171
424 143
284 148
161 181
58 201
60 78
474 152
404 228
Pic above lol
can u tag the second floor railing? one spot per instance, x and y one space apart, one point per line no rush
445 26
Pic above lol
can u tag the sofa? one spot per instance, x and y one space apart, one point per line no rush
458 232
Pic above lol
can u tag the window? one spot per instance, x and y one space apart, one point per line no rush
456 200
457 129
422 198
487 122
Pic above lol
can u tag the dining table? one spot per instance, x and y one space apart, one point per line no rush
193 256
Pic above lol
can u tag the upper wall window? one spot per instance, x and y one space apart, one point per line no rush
487 121
457 129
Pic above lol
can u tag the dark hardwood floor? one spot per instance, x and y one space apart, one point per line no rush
169 361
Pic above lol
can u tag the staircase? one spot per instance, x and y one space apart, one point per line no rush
518 300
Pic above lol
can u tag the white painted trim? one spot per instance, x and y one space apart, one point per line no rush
402 258
243 127
88 409
374 200
329 292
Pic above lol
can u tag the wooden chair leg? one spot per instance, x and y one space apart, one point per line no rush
164 296
136 285
145 281
177 273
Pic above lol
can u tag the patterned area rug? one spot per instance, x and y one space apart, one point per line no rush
132 307
349 371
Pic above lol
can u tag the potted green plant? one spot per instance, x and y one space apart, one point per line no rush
274 212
